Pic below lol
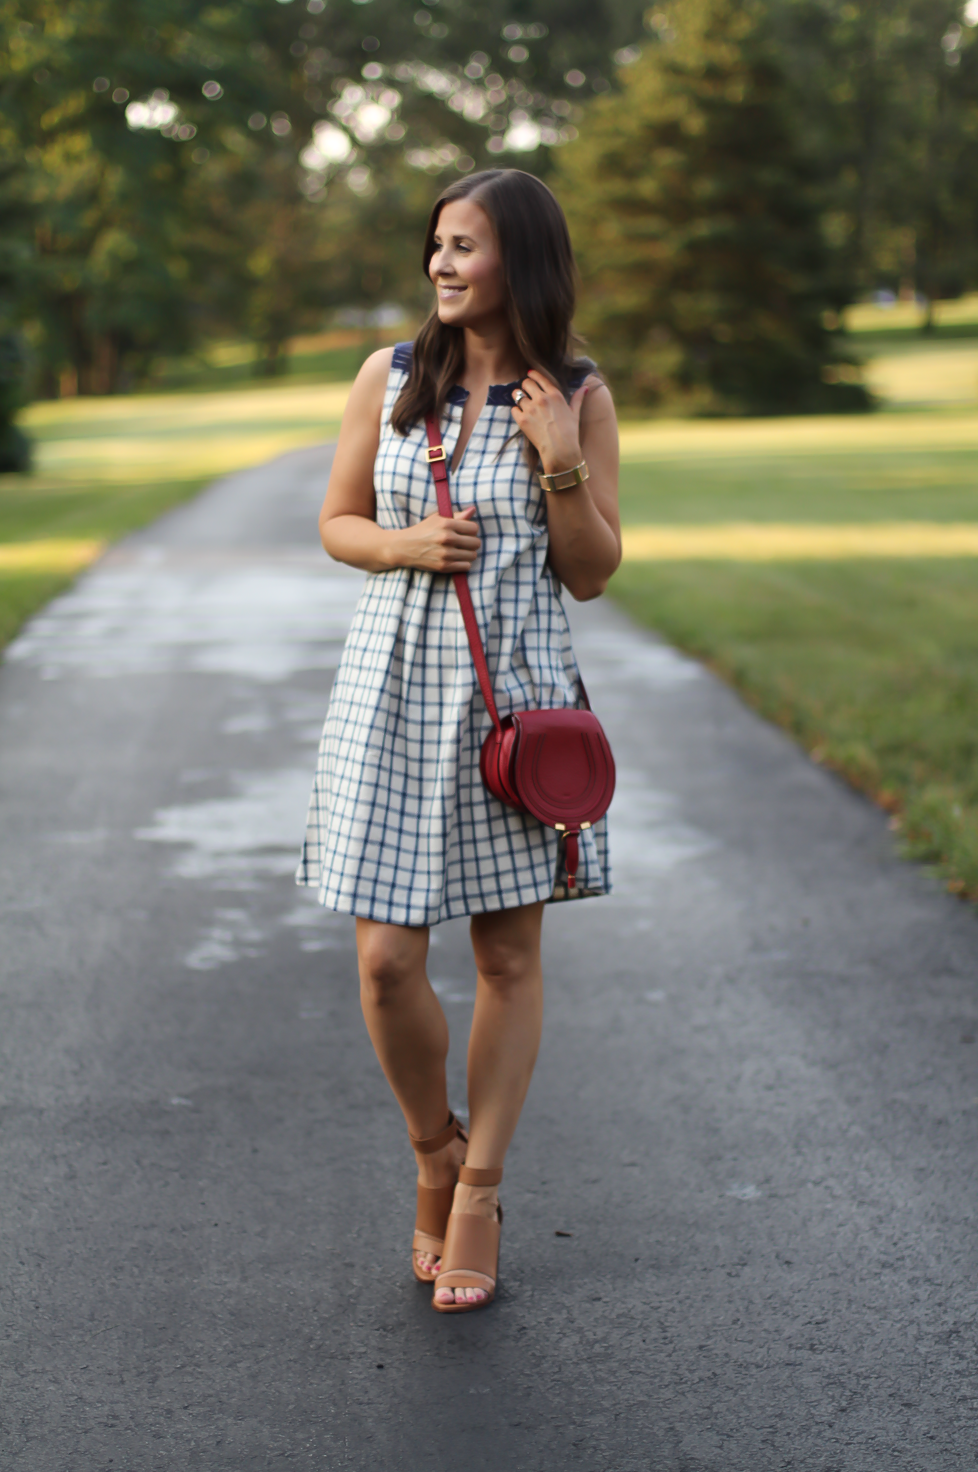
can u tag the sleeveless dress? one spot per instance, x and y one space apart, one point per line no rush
400 827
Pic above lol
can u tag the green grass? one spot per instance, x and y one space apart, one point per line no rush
52 510
871 665
329 357
926 486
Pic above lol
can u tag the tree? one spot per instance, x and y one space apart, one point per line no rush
888 94
696 216
16 271
165 139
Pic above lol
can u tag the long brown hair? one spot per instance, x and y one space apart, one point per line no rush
540 276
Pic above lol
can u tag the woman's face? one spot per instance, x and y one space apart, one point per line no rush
466 266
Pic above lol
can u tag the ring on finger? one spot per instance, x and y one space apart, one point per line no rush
518 396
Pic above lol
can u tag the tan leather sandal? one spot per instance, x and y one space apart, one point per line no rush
434 1202
470 1257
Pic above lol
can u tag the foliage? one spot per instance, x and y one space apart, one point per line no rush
181 171
888 93
696 216
15 449
173 163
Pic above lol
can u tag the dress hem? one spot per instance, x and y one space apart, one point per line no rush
557 895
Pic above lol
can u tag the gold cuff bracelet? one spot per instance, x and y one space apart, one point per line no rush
565 479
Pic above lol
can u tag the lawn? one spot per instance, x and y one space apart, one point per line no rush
323 357
869 657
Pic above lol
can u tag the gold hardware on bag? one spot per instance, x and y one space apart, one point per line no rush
584 825
435 452
561 827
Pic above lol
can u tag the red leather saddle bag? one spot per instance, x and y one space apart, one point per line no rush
555 765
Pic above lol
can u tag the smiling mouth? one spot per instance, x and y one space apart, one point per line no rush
448 290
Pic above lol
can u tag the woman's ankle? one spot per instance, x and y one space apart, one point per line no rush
441 1167
476 1201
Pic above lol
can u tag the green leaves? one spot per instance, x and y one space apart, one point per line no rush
696 217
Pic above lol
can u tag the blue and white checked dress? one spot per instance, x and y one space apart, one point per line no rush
401 827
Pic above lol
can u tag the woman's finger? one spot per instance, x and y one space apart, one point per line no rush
577 403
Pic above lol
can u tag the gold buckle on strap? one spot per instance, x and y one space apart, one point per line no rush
434 453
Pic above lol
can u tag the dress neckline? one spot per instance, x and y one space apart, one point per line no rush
499 393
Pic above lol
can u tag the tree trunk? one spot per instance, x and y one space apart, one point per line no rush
104 371
272 361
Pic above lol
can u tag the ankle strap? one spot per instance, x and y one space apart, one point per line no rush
468 1176
439 1141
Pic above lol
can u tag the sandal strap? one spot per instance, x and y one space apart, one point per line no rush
438 1142
469 1176
471 1247
434 1205
425 1242
465 1278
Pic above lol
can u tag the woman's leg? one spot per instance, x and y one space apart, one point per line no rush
503 1048
410 1036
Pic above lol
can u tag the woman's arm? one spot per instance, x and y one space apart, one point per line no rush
348 521
585 533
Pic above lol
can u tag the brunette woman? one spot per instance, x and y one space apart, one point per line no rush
402 833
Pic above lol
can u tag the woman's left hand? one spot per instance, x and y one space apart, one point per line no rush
551 425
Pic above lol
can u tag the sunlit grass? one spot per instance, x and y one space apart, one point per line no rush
798 541
870 317
107 466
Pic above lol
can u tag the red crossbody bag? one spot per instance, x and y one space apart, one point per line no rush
555 765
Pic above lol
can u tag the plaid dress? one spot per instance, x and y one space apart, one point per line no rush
400 826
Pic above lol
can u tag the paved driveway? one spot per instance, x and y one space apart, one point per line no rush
755 1111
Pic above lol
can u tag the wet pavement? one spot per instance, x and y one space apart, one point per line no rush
754 1114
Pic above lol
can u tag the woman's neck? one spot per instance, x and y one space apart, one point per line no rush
491 356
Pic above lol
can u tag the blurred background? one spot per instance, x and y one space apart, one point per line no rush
211 213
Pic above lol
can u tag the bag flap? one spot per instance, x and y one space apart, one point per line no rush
562 766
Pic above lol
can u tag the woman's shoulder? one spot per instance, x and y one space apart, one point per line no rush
377 366
370 384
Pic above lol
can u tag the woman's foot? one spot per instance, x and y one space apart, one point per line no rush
437 1170
480 1201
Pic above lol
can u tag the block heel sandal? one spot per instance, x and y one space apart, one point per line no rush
434 1202
470 1257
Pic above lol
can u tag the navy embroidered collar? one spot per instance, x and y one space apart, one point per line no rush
499 393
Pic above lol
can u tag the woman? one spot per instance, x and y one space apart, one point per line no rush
402 833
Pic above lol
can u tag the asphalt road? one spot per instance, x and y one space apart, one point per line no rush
755 1109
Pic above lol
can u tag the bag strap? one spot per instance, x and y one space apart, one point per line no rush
439 469
438 463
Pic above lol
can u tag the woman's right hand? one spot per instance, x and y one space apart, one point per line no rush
439 543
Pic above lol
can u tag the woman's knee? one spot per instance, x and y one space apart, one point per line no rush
506 967
391 962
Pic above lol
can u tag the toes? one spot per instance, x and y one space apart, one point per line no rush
460 1295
